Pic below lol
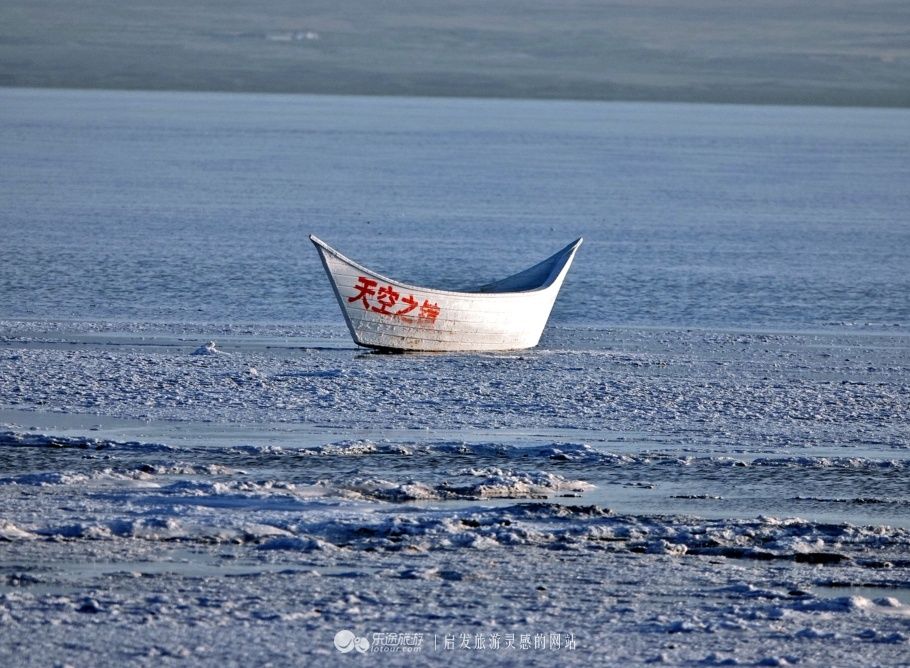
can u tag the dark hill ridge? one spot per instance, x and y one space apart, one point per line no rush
766 51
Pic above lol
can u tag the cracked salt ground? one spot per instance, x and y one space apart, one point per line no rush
678 497
163 553
187 545
230 602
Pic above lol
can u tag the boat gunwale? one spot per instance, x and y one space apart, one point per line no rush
560 262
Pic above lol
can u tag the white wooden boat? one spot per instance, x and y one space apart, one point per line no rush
387 314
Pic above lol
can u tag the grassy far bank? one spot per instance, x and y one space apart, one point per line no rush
769 51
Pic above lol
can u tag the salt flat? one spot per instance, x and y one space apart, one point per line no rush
703 463
210 512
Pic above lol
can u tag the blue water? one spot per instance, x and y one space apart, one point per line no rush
196 207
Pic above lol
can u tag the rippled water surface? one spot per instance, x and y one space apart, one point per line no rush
186 206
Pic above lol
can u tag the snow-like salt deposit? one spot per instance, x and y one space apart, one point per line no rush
210 349
686 501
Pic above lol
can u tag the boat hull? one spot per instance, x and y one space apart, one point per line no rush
387 314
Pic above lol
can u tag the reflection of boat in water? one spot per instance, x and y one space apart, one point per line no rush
506 315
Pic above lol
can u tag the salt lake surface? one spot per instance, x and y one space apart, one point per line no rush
705 462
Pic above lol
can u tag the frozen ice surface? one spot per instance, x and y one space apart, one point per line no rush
632 495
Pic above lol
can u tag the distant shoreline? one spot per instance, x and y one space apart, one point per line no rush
823 101
830 54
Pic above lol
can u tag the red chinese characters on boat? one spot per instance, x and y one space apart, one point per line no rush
367 288
385 299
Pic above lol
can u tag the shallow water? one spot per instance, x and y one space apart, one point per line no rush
183 206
